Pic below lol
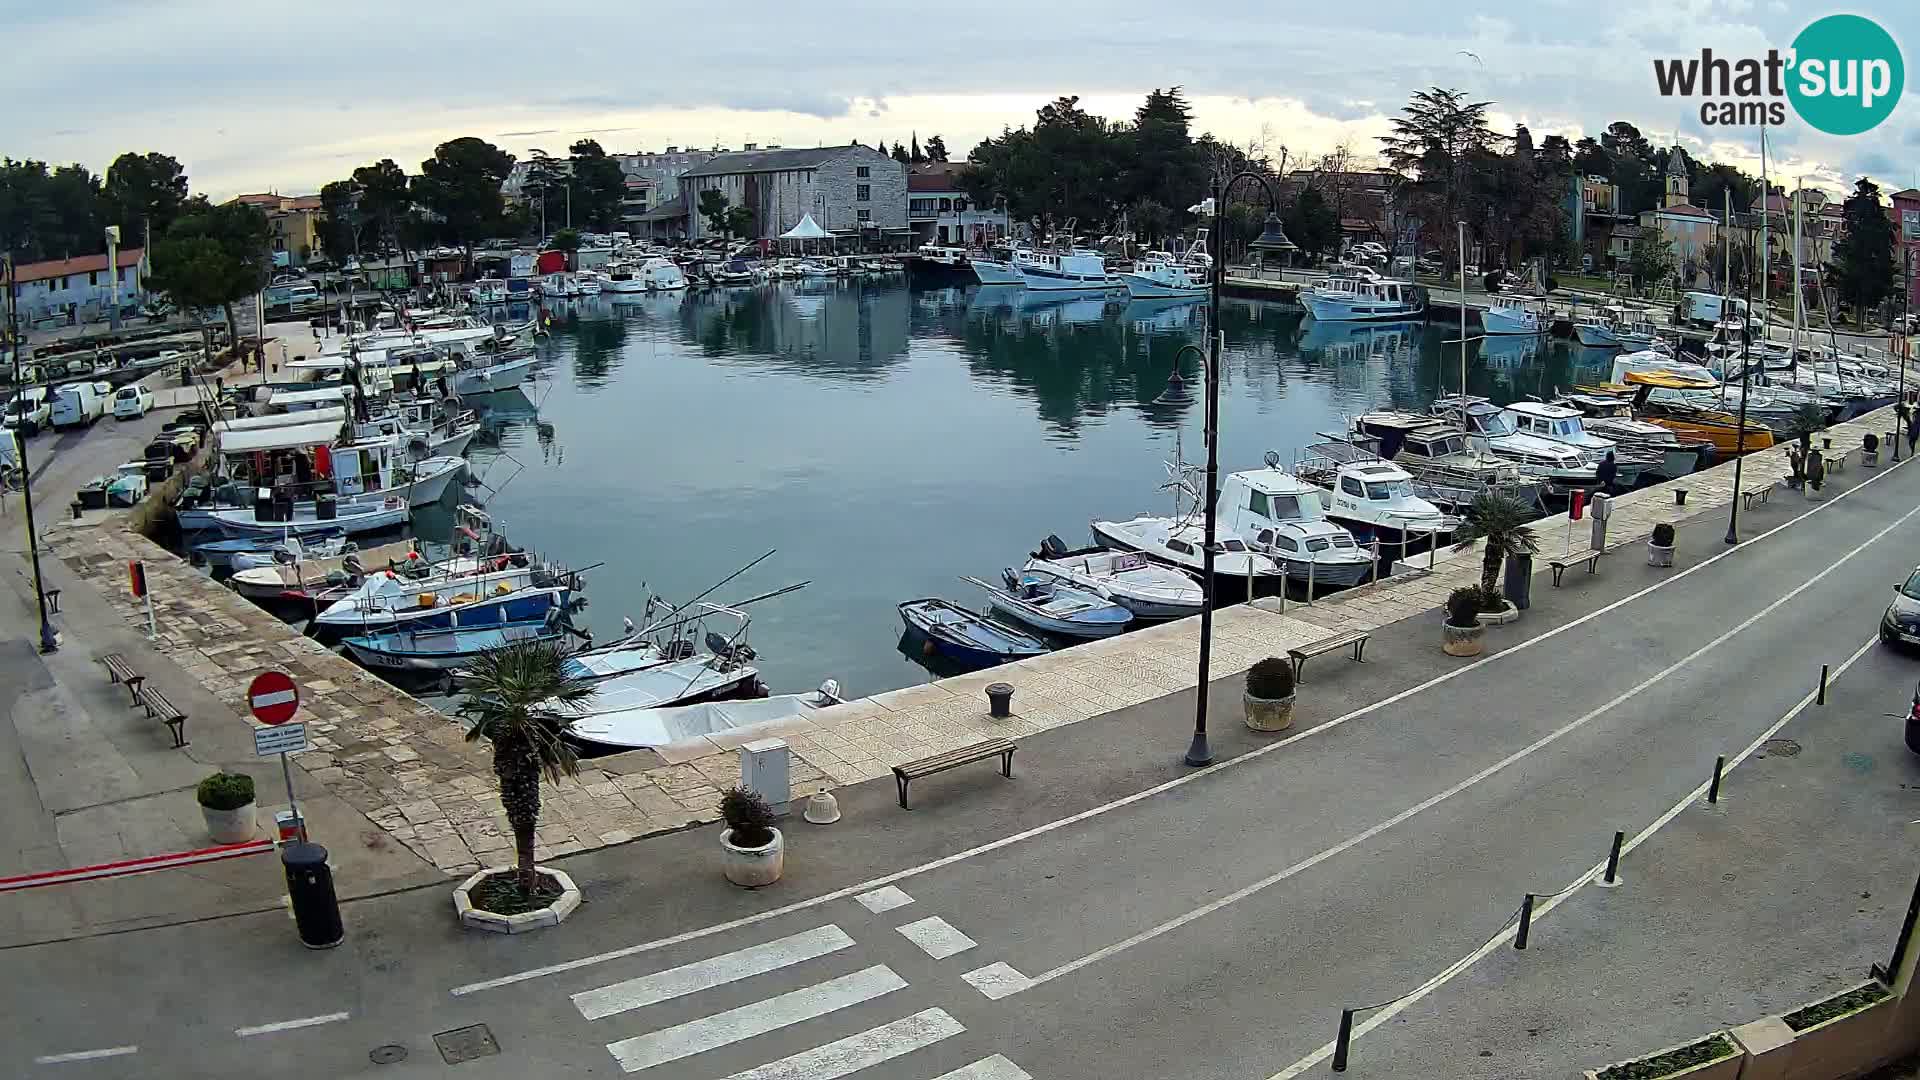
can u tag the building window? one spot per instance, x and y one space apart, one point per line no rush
864 215
946 205
93 277
863 193
862 171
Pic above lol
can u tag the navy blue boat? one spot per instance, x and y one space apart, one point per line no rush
946 629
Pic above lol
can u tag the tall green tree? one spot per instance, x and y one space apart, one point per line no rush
914 155
739 221
900 154
213 257
1862 266
144 193
1650 259
384 197
340 219
522 701
1440 138
1312 224
936 148
598 186
460 184
567 240
713 207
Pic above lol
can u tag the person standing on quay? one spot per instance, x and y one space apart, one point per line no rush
1605 473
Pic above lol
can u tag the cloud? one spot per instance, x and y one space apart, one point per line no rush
1312 75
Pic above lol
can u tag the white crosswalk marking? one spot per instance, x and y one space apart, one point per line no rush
987 1068
715 971
856 1052
885 898
758 1018
997 980
937 937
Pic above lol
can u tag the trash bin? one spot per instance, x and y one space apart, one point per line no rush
316 911
1517 586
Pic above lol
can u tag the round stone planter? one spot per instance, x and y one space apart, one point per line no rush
235 826
752 867
1507 613
1268 714
1659 556
1461 640
552 915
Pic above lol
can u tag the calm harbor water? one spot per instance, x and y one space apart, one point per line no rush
888 441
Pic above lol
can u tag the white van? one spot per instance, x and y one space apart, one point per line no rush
1705 309
78 403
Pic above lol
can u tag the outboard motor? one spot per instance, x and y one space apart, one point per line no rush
1012 579
1053 547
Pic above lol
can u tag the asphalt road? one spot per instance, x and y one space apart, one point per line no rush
1210 927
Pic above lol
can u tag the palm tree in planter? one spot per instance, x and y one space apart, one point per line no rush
1500 520
1461 631
522 700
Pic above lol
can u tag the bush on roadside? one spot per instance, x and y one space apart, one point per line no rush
1270 679
748 815
1463 607
225 791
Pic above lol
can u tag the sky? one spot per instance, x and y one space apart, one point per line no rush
255 97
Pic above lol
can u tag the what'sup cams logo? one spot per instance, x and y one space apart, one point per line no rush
1843 76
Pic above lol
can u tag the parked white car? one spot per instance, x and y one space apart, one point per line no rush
30 411
131 402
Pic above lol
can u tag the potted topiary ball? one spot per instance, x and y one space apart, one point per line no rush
1269 695
226 802
1660 545
1461 632
753 853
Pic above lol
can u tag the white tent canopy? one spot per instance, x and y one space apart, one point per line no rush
808 229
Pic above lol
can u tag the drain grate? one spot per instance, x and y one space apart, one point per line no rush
390 1054
466 1044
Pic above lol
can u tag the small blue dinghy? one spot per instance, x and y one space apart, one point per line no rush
448 648
1052 606
968 637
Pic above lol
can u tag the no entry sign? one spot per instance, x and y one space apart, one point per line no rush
273 697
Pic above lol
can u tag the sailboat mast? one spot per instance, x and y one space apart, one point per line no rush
1462 226
1766 193
1798 314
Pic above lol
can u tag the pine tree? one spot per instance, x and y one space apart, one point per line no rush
913 152
1862 266
900 154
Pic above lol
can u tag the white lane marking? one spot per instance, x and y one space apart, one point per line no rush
289 1025
85 1055
1459 966
1147 793
880 900
987 1068
714 971
936 937
1431 801
856 1052
758 1018
997 981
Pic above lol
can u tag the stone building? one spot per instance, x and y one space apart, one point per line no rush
854 192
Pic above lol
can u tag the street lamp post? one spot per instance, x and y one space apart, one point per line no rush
48 643
1199 752
1740 422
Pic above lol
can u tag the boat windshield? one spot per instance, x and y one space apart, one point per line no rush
1389 489
1232 545
1284 507
1911 590
1496 424
1318 544
1447 447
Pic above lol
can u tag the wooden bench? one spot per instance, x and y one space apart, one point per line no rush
1591 557
157 705
953 759
1355 638
119 671
1757 495
1836 462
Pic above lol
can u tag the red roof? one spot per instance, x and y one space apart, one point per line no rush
1910 193
1684 210
85 264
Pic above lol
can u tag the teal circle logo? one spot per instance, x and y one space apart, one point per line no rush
1847 74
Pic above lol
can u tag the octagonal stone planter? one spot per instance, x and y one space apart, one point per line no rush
552 915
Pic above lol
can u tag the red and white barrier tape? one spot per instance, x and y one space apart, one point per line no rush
142 865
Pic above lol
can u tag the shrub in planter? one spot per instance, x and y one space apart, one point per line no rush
226 803
1461 632
1660 545
1269 695
753 851
1680 1061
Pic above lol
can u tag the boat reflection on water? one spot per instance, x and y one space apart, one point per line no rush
1168 315
1344 342
1511 350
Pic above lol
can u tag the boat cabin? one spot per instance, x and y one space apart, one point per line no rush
1559 423
1279 511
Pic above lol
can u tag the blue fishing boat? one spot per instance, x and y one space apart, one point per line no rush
252 551
946 629
449 648
1048 604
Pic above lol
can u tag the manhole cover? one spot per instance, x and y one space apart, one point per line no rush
465 1044
388 1054
1779 748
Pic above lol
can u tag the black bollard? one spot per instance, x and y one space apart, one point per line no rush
1822 700
999 700
1613 860
1526 922
1713 789
316 911
1341 1040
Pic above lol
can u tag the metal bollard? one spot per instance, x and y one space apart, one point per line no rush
1613 860
1526 922
1713 789
1373 571
1341 1041
1312 565
1822 699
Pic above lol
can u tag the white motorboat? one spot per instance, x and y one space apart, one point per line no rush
1157 275
1351 297
1285 518
1563 424
623 280
1148 589
1611 417
1360 489
996 271
1073 270
1180 543
1515 315
1598 331
655 726
351 519
1446 468
484 374
291 550
1045 603
384 600
297 457
1648 360
1492 429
